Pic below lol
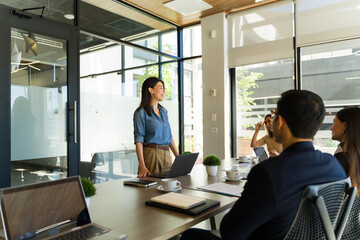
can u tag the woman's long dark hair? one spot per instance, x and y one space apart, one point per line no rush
269 133
145 94
351 116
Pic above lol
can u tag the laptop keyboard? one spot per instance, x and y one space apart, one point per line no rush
83 233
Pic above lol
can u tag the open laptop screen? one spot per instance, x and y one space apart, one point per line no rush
261 153
26 209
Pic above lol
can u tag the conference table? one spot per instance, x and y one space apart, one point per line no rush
122 208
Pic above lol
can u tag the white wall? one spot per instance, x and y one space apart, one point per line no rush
215 76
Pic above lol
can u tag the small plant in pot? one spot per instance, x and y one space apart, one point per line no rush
186 152
212 162
89 189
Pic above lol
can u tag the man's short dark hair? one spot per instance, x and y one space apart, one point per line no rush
304 112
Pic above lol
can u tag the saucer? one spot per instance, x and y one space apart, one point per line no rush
173 190
232 180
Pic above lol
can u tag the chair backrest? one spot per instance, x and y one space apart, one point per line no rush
322 211
352 228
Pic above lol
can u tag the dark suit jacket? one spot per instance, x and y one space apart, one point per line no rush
272 193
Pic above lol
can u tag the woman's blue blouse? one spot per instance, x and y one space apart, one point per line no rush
152 129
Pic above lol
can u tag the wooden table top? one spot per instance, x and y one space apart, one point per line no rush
122 208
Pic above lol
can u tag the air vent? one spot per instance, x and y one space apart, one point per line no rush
125 25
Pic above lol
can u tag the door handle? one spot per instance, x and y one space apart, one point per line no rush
74 134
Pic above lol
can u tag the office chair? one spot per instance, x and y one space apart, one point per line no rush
323 211
352 228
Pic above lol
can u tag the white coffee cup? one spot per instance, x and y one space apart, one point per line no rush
170 184
233 174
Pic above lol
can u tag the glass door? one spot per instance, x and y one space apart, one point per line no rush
38 107
38 91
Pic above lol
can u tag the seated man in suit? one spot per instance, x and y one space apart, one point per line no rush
272 193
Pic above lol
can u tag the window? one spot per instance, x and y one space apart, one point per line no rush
258 87
193 117
332 71
192 41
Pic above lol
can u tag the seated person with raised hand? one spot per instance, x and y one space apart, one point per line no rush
273 147
271 195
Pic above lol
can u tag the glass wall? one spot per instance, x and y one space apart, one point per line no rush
258 87
332 71
109 96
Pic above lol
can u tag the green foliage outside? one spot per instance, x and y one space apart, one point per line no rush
189 143
331 143
153 71
212 160
88 186
246 83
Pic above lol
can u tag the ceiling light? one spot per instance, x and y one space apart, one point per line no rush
256 1
69 16
187 7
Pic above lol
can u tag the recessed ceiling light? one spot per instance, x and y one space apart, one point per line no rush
187 7
69 16
259 1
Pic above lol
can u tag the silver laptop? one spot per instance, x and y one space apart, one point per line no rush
50 210
182 165
261 153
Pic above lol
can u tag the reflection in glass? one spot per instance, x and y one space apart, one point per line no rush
332 71
258 87
38 108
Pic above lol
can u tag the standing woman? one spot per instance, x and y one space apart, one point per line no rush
152 131
273 147
346 130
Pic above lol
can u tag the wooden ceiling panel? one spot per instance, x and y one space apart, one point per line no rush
157 8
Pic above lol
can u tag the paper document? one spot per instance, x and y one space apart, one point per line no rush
224 188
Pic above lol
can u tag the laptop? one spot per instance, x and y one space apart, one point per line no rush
182 165
261 153
50 210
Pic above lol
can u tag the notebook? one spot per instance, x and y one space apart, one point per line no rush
50 210
178 200
261 153
196 209
182 165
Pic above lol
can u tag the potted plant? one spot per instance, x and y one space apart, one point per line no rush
212 162
89 189
186 152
